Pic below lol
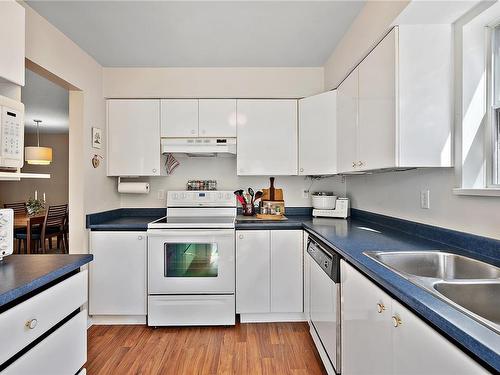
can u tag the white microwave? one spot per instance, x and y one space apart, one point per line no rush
11 133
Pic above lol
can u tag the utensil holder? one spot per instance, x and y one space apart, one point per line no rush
248 210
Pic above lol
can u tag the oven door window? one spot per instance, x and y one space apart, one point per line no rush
191 260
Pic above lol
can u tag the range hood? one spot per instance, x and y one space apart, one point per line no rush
199 147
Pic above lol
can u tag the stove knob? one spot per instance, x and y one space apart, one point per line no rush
176 196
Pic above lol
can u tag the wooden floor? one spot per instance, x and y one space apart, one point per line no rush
267 348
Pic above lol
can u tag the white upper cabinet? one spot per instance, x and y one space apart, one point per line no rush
217 118
347 122
12 42
179 118
376 108
133 134
267 137
400 101
318 134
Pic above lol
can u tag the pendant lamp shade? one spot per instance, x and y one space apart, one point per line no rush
37 155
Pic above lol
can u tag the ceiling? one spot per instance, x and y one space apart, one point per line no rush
46 101
203 33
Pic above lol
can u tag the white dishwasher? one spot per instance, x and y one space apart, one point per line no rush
324 297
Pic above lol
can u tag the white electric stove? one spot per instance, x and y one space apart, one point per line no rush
191 260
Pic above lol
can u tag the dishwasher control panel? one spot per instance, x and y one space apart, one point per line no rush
328 261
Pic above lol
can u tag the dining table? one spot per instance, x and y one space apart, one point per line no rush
25 221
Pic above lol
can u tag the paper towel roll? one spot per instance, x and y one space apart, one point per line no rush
133 187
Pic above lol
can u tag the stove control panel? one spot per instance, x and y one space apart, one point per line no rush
190 198
6 232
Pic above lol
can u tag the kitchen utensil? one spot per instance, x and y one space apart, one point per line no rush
257 196
323 200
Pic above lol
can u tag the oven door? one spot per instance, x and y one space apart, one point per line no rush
191 261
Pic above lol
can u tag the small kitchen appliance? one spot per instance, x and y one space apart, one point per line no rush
6 232
340 209
191 260
11 133
323 200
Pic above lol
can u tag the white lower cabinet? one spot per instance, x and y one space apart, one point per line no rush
380 336
63 352
118 273
269 269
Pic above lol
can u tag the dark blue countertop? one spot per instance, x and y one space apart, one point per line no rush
366 231
126 219
22 274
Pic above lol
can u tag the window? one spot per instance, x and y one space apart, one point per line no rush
494 140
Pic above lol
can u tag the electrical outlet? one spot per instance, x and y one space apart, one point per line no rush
305 194
161 195
425 199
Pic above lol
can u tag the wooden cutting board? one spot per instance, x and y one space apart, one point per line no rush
266 193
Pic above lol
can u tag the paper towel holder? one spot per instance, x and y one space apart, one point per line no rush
146 186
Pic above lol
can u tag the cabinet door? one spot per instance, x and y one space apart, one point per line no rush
286 271
377 108
133 137
419 349
267 137
12 44
366 332
179 118
217 118
253 257
318 134
118 273
347 120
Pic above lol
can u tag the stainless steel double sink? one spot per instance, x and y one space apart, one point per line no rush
470 285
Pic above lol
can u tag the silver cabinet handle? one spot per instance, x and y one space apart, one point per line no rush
139 237
31 324
380 307
396 321
240 236
302 169
154 170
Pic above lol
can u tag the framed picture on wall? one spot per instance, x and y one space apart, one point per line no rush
96 138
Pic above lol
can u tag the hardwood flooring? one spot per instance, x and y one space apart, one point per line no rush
265 348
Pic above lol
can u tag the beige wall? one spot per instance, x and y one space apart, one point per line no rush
89 189
56 188
212 82
366 31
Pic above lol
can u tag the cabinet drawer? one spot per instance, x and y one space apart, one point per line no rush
48 308
62 352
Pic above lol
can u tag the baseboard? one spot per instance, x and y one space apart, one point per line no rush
272 317
117 319
322 353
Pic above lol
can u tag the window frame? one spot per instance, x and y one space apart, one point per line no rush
492 137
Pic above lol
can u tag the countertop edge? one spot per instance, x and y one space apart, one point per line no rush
39 282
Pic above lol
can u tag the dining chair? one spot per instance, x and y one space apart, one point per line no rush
34 227
19 209
53 226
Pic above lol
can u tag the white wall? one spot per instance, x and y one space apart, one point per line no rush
224 171
89 189
398 193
